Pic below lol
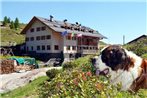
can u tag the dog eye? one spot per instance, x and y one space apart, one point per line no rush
111 52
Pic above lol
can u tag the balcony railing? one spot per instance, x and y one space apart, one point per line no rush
84 49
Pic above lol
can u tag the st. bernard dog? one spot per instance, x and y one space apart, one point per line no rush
123 66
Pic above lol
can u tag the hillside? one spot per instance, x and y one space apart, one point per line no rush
11 35
139 47
102 43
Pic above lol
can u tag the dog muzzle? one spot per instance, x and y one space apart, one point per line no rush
103 72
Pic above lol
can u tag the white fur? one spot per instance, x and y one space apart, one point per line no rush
126 78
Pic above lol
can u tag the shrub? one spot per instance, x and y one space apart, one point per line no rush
79 84
52 73
144 56
77 81
68 65
139 47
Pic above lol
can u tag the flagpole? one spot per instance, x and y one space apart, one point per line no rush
81 46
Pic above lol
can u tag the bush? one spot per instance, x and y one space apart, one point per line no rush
79 84
144 56
86 61
77 81
52 73
139 47
68 65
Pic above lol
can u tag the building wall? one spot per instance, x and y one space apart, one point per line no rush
56 39
70 43
36 43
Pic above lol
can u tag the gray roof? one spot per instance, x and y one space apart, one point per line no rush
59 26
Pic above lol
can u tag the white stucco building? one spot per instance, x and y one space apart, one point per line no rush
51 38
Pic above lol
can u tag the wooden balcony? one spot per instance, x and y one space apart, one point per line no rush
86 49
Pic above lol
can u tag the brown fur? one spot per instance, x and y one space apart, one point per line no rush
141 81
115 57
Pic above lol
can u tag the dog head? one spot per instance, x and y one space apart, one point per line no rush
122 64
114 56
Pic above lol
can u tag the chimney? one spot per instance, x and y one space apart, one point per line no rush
65 24
51 18
65 20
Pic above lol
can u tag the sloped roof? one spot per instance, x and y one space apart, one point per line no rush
138 38
59 26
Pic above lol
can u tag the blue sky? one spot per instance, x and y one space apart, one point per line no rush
111 18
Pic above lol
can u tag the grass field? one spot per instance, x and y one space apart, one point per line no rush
12 35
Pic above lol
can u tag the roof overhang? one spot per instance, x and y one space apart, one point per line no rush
57 29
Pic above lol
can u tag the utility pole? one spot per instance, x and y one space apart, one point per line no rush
123 39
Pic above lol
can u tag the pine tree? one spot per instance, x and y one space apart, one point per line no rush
16 23
12 25
9 20
5 21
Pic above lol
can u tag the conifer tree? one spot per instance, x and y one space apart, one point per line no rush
16 23
9 20
12 26
5 21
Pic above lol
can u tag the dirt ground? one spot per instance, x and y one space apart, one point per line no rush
11 81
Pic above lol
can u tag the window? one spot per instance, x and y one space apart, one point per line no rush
48 47
43 28
27 48
32 30
38 38
38 47
73 47
74 38
27 39
56 47
48 37
43 47
32 48
38 29
68 37
67 47
42 37
83 40
84 47
32 38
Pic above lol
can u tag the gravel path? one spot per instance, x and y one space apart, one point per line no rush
12 81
